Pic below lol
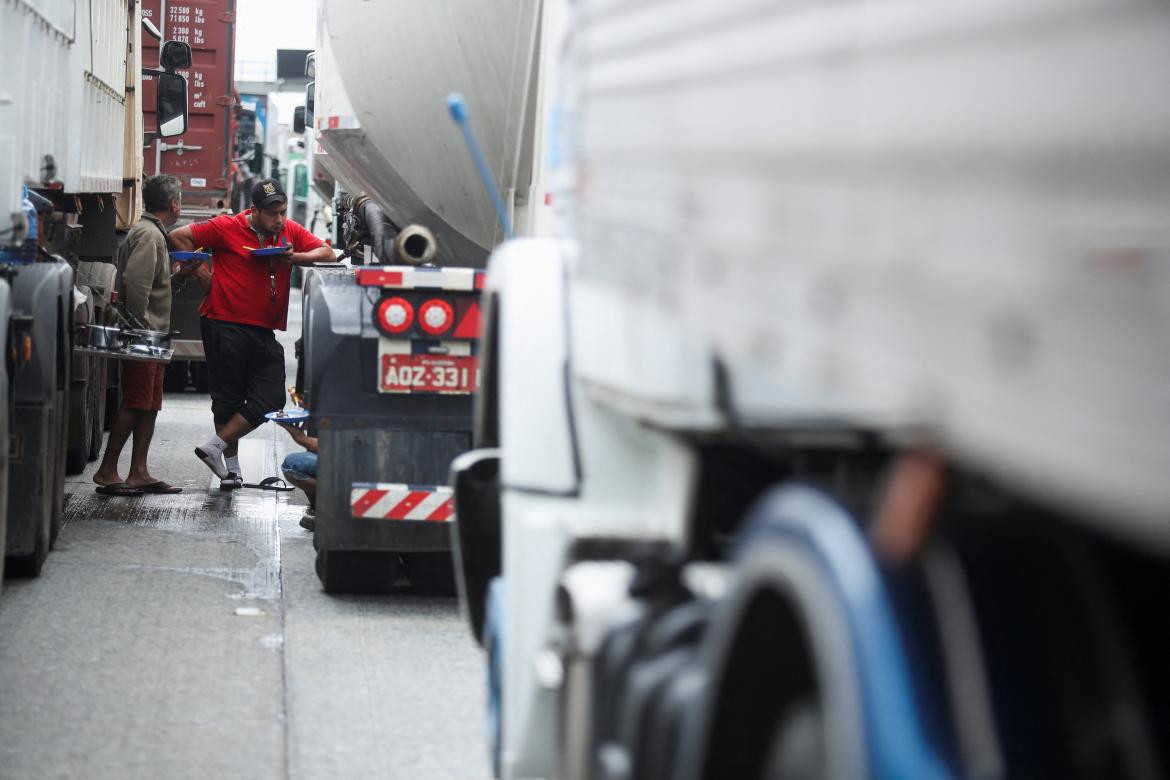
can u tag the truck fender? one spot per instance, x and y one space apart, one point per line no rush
43 291
807 628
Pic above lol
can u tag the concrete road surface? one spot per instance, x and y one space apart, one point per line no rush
187 636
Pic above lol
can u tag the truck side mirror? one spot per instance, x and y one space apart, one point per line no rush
299 120
175 54
256 164
171 108
310 102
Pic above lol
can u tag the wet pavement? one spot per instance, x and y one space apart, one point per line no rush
188 636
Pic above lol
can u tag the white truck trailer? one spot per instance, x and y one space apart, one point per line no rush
71 136
830 436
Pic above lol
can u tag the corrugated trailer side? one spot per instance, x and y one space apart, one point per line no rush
62 97
201 156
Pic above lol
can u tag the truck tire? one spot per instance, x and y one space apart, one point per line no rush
112 401
61 429
175 378
79 396
77 452
27 566
432 574
76 458
98 419
58 485
797 750
345 571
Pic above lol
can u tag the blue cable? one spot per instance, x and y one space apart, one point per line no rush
458 111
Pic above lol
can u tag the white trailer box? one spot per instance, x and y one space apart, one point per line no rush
62 97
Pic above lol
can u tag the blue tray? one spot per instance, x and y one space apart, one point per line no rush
271 251
184 257
288 415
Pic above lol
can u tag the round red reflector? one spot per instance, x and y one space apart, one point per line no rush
436 317
395 315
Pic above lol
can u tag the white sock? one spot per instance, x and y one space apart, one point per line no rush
233 464
214 444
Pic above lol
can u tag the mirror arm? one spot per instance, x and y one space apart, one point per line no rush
150 28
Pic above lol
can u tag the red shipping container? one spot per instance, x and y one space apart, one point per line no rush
201 157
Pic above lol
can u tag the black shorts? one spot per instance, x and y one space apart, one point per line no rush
245 370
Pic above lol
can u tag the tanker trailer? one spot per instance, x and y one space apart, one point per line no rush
390 350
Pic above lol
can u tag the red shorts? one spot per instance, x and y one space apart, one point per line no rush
142 385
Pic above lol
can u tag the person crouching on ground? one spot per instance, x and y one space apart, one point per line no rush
300 468
144 284
247 303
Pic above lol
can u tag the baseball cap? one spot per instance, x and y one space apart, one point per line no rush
266 193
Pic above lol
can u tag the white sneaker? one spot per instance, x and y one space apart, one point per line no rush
231 482
213 460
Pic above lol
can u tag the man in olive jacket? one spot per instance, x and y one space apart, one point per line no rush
144 287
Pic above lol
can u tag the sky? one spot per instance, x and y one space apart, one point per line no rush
262 27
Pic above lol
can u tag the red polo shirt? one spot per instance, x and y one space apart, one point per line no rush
240 284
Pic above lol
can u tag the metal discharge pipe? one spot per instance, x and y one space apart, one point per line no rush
415 245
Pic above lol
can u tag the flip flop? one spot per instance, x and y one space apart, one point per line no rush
160 487
117 489
271 484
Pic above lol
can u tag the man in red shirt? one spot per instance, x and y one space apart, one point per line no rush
247 302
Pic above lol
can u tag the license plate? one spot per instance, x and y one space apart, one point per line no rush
429 374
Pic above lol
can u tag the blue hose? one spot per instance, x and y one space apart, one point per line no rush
458 111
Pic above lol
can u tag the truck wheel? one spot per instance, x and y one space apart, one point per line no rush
57 486
64 380
112 401
77 455
797 750
79 397
175 378
430 573
27 565
76 458
98 421
345 571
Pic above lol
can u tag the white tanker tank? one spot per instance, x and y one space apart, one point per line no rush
383 73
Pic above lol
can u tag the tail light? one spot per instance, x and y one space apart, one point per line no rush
436 317
427 316
394 316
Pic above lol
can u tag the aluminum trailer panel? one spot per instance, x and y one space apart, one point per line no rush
62 77
964 243
201 156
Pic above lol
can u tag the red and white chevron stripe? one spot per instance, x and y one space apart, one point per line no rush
389 501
